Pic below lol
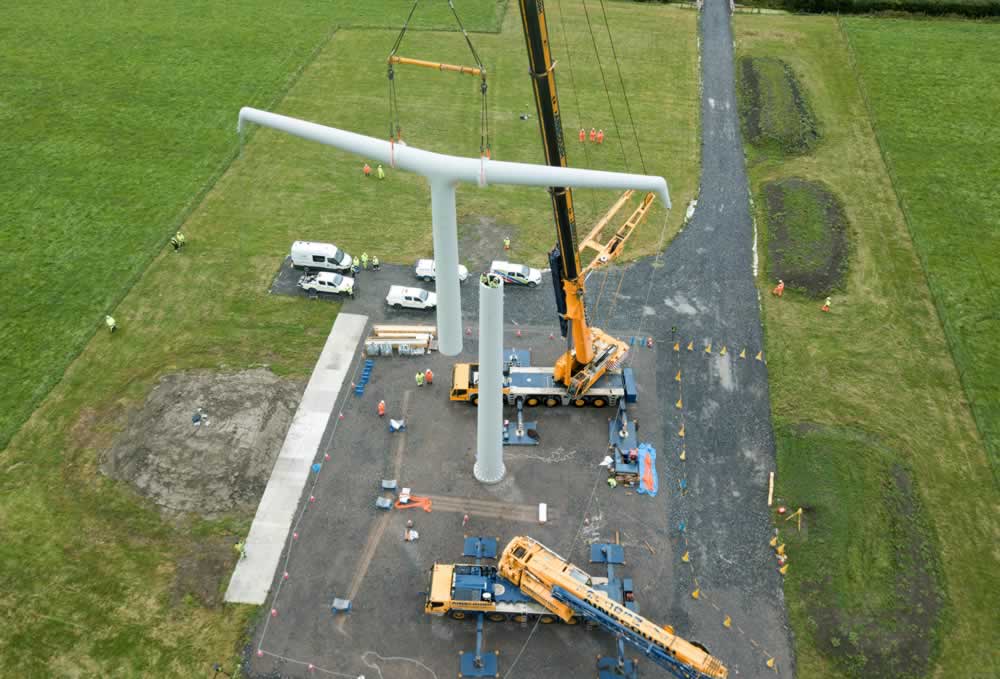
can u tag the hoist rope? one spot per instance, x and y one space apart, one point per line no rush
604 80
628 107
395 130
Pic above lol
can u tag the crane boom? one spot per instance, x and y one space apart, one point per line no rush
590 351
568 592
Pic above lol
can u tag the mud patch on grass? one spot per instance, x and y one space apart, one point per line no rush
773 109
202 571
480 240
807 244
218 466
865 577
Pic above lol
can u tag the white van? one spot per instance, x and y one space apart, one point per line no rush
517 274
312 255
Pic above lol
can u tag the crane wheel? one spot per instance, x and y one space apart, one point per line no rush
700 645
520 618
573 621
474 400
579 402
551 402
599 402
531 401
457 615
546 619
496 617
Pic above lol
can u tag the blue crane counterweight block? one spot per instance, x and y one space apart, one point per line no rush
651 651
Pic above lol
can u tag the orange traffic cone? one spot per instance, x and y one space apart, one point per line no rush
583 134
381 408
600 136
779 289
593 135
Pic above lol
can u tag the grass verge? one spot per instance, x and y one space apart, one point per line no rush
96 583
887 372
934 122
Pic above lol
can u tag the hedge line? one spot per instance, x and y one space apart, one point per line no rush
969 8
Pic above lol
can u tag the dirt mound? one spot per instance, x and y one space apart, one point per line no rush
222 463
773 109
807 243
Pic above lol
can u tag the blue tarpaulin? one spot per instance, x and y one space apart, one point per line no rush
649 482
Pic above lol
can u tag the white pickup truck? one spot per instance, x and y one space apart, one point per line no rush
426 270
414 298
326 281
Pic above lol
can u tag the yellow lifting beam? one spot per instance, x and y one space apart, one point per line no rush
613 247
468 70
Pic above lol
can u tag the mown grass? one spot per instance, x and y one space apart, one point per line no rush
311 191
936 122
887 378
115 117
90 570
774 112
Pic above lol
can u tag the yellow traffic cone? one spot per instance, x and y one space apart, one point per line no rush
728 622
684 455
681 432
677 346
781 549
696 594
677 378
770 663
774 541
743 354
686 558
784 569
708 349
723 352
760 356
679 404
691 345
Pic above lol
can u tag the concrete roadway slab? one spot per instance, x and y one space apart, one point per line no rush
253 575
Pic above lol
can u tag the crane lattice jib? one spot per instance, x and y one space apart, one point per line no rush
655 653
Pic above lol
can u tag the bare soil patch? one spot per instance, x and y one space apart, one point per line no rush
480 240
219 465
806 235
202 572
773 109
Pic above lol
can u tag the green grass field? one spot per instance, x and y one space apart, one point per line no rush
116 118
901 502
91 571
936 124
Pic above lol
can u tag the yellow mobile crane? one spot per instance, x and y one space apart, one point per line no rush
590 351
532 582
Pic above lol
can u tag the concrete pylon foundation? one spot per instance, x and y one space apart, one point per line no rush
489 466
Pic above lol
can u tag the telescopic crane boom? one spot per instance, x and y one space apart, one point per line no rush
590 351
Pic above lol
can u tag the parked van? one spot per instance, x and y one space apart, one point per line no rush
312 255
517 274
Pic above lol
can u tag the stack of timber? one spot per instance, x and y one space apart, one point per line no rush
405 340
